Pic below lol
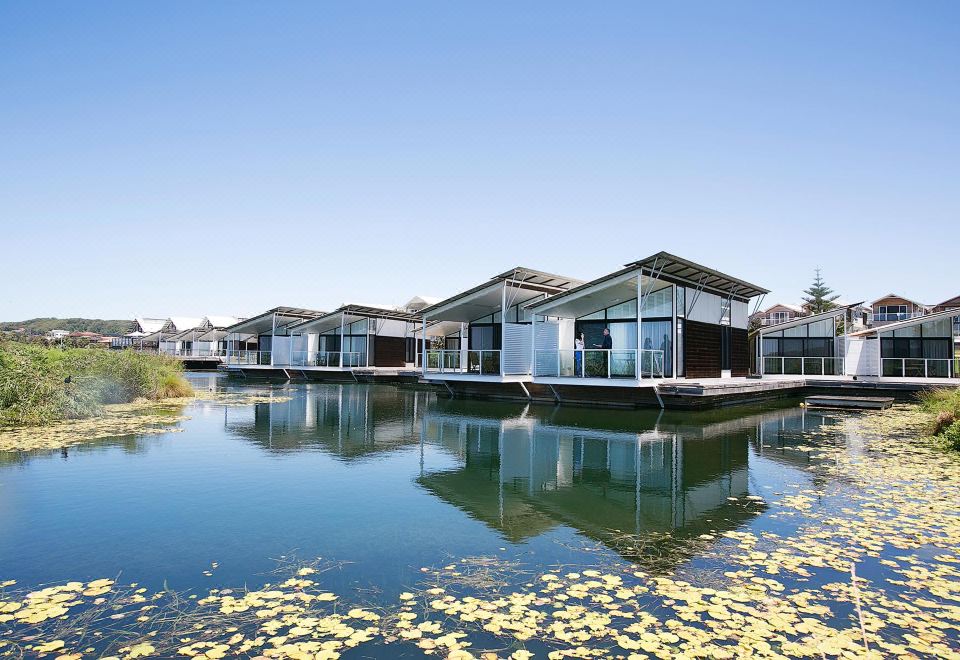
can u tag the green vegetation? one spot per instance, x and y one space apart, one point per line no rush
42 326
946 405
40 385
820 297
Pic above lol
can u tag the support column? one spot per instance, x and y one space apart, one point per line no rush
673 333
503 326
341 339
423 347
273 332
639 370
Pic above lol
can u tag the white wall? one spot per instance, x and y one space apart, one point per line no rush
388 328
517 348
739 314
706 309
861 357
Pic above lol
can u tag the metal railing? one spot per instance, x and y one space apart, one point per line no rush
248 357
322 359
598 363
919 367
888 317
802 366
481 362
200 352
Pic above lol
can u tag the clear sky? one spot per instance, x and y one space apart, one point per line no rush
185 158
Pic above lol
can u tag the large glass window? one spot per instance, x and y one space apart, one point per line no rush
659 303
484 337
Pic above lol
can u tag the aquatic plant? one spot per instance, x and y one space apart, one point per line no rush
40 385
945 404
865 565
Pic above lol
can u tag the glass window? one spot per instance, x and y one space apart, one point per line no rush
822 328
602 314
623 335
796 331
911 331
659 303
625 310
792 347
938 328
771 347
657 337
681 301
357 327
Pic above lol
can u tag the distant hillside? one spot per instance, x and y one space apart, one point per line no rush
42 326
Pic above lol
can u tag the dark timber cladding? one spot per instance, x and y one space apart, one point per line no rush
389 351
702 349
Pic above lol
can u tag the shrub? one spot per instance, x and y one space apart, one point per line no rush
39 385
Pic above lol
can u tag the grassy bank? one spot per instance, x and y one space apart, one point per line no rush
40 385
945 404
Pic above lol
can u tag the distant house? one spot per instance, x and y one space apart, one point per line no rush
57 335
893 308
142 327
777 313
953 303
206 339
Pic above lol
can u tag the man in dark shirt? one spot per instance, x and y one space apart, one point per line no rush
607 342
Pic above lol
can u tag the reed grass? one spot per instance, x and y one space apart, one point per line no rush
945 403
41 385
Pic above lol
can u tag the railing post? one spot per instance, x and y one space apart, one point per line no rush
609 373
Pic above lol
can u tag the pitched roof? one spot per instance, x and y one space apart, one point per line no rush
896 295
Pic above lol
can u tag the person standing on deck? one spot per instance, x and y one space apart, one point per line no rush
605 344
578 355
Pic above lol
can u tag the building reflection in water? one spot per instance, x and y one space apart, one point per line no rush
685 476
526 470
347 421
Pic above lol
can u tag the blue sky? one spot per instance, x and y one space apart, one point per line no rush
223 158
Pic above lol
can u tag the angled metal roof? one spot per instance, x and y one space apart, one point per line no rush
670 268
520 277
803 320
362 311
287 314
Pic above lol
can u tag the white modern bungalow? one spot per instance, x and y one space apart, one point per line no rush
354 337
357 336
919 347
474 339
163 338
205 340
657 318
253 341
805 346
142 327
835 343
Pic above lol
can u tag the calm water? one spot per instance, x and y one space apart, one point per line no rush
390 480
736 527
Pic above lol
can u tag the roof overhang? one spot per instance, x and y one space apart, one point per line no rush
522 285
593 297
676 269
351 313
279 317
803 320
906 324
664 267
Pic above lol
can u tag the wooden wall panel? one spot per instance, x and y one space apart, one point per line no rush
701 349
739 352
389 351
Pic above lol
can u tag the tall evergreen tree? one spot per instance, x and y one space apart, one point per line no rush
820 297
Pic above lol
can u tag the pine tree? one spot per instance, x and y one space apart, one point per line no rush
820 297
